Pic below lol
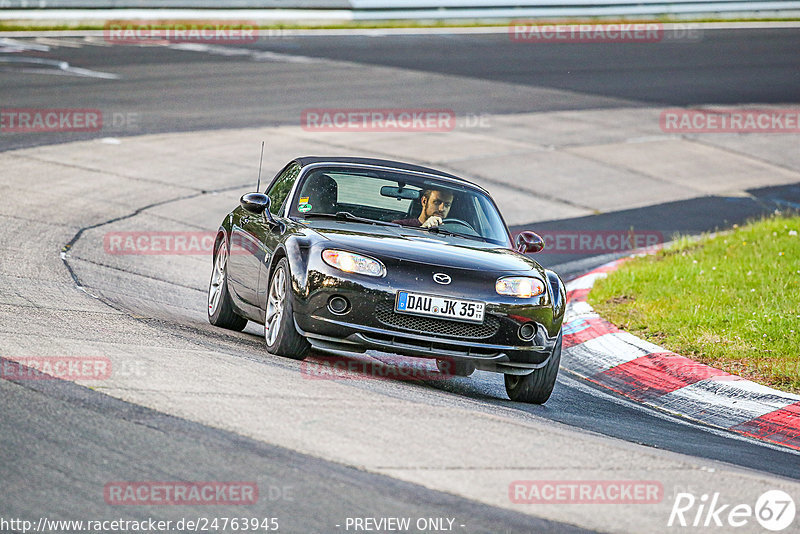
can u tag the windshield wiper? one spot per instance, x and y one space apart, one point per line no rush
347 216
439 230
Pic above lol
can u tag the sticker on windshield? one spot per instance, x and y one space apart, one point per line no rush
304 207
303 200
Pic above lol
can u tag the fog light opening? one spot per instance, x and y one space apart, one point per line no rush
338 305
527 331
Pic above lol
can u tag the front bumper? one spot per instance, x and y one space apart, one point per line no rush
370 321
340 335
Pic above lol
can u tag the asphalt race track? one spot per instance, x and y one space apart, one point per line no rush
565 136
180 90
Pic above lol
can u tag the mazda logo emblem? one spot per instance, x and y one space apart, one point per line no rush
441 278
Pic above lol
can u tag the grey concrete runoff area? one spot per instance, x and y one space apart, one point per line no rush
190 402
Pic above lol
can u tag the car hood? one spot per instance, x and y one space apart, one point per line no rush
408 244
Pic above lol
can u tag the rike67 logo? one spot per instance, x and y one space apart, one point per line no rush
774 510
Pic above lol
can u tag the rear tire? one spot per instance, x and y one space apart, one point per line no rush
279 331
220 307
455 367
535 388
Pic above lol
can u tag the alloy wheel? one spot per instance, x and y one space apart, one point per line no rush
275 302
217 280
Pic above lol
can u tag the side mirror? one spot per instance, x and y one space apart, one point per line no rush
255 202
259 203
529 243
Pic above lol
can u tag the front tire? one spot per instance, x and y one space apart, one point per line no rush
220 307
535 388
279 331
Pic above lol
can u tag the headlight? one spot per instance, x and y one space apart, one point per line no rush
350 262
519 286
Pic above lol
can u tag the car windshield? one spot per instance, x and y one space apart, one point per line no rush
364 195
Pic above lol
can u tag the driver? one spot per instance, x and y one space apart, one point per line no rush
435 207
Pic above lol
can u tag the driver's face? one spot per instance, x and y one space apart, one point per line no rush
438 203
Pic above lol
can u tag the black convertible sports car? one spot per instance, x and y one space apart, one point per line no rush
355 254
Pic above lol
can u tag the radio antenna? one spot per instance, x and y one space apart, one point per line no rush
260 161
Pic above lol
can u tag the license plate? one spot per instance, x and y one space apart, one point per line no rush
442 307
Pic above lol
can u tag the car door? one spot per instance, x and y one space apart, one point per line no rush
253 242
278 193
244 259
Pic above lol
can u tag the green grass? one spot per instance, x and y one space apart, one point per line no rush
731 301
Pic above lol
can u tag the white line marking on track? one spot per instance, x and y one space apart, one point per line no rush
57 67
257 55
585 282
12 46
95 41
579 383
724 403
605 352
60 42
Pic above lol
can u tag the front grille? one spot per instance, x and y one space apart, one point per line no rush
441 327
